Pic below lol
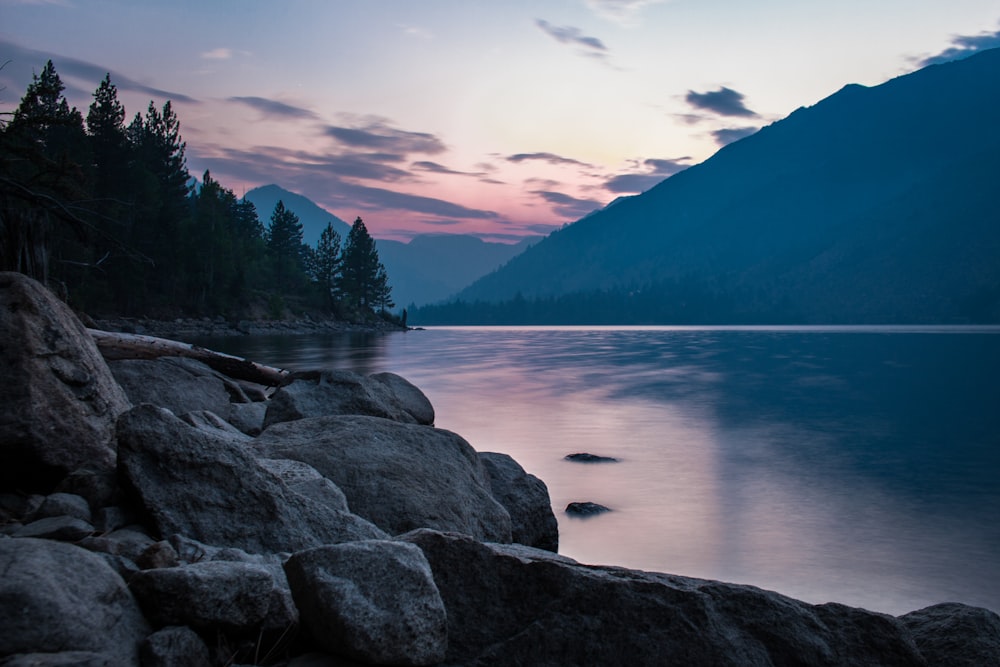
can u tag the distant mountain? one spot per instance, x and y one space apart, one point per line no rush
429 268
877 204
314 218
434 267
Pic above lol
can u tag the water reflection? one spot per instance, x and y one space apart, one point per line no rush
857 465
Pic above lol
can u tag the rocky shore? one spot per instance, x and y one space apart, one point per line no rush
208 327
157 512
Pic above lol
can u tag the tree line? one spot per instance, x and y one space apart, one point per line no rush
106 212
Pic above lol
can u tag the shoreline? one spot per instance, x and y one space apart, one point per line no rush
220 327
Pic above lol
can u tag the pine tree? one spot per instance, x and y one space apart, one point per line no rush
360 267
284 245
383 290
325 265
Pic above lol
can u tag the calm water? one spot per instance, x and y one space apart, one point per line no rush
858 465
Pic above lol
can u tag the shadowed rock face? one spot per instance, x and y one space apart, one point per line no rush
212 489
59 400
526 499
398 476
511 605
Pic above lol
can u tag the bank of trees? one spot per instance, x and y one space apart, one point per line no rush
103 209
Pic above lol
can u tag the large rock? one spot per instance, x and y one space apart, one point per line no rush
514 605
178 384
956 635
372 601
205 595
526 499
56 597
398 476
59 400
212 489
174 646
348 393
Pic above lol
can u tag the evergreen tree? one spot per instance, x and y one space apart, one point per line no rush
325 264
284 245
382 295
360 267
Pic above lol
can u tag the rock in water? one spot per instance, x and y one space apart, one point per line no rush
526 499
56 597
372 601
584 457
586 509
60 401
398 476
211 488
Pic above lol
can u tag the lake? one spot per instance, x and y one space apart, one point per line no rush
850 464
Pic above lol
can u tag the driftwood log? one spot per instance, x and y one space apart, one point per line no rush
135 346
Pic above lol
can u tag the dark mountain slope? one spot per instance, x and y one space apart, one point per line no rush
875 205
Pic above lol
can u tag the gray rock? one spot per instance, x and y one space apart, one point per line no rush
210 422
586 509
409 396
174 646
100 488
61 659
59 400
306 480
129 541
398 476
212 489
248 417
216 594
372 601
157 555
108 519
63 504
62 528
178 384
955 635
526 499
56 597
584 457
513 605
347 393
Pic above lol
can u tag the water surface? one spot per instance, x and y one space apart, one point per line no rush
850 464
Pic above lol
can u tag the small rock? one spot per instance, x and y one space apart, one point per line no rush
583 457
63 504
174 646
158 554
586 509
61 528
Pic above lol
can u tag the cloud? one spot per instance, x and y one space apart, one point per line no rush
620 11
272 108
567 206
653 172
592 46
964 46
26 61
376 134
435 168
551 158
220 53
730 134
724 101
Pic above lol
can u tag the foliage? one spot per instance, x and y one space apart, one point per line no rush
105 213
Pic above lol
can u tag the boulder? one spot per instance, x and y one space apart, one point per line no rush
212 489
62 528
100 488
526 499
955 635
248 417
216 594
348 393
174 646
178 384
59 400
398 476
372 601
306 480
56 597
586 509
514 605
63 504
61 659
206 420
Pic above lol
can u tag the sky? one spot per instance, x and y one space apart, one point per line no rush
496 119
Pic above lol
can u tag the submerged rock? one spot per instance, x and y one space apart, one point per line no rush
586 509
583 457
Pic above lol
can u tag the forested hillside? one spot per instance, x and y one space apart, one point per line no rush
875 205
102 209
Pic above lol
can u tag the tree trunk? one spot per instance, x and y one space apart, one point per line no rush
135 346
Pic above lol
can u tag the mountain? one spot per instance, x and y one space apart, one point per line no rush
875 205
433 267
314 218
429 268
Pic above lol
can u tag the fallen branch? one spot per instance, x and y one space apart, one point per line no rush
136 346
